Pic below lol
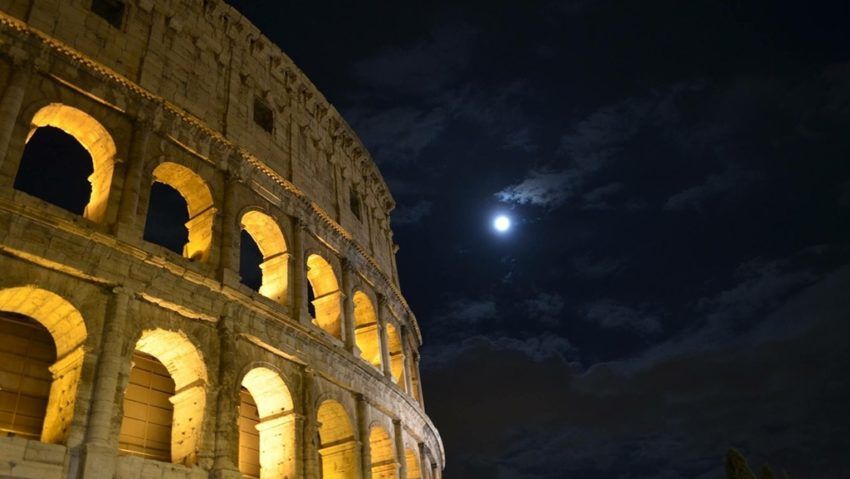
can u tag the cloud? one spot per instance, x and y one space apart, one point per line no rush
546 307
591 145
423 67
597 199
610 314
762 285
589 267
732 180
398 135
537 348
469 310
780 400
542 188
408 215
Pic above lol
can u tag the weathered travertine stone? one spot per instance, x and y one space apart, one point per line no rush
190 94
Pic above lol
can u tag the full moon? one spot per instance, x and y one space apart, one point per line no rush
502 223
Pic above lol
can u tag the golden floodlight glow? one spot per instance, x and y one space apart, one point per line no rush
269 238
337 446
412 461
396 355
199 202
367 336
95 139
68 329
383 454
185 364
277 423
327 302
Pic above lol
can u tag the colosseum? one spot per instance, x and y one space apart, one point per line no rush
123 355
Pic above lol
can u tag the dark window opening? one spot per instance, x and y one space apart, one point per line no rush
110 10
311 296
354 203
167 216
27 351
55 167
250 259
263 115
148 412
249 436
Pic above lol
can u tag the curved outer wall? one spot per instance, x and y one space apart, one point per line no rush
175 86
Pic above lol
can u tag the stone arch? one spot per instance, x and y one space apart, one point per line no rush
396 354
67 327
276 423
382 450
185 364
337 446
411 459
367 333
268 236
96 140
199 203
326 294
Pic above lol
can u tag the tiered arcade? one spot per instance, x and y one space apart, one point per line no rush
120 357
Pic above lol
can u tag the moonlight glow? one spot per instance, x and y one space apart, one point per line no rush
502 223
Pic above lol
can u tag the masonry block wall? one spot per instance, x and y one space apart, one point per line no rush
189 94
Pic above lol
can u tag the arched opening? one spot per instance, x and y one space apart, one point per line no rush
411 459
326 294
40 371
337 447
148 412
383 454
268 237
197 201
266 426
367 336
26 354
166 219
167 368
66 148
54 167
250 261
396 354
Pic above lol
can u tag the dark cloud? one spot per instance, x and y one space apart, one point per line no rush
425 67
595 268
610 314
413 214
546 307
469 310
731 181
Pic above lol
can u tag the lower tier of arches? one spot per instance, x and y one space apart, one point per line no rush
103 382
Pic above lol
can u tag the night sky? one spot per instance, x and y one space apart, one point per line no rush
676 281
678 174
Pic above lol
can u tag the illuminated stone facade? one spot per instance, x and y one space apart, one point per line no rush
120 358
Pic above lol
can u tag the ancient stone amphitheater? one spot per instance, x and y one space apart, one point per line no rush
122 356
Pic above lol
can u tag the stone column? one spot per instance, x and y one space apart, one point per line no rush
418 384
424 464
128 226
99 455
227 434
230 231
385 350
298 304
363 433
405 352
348 319
401 458
10 109
309 447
